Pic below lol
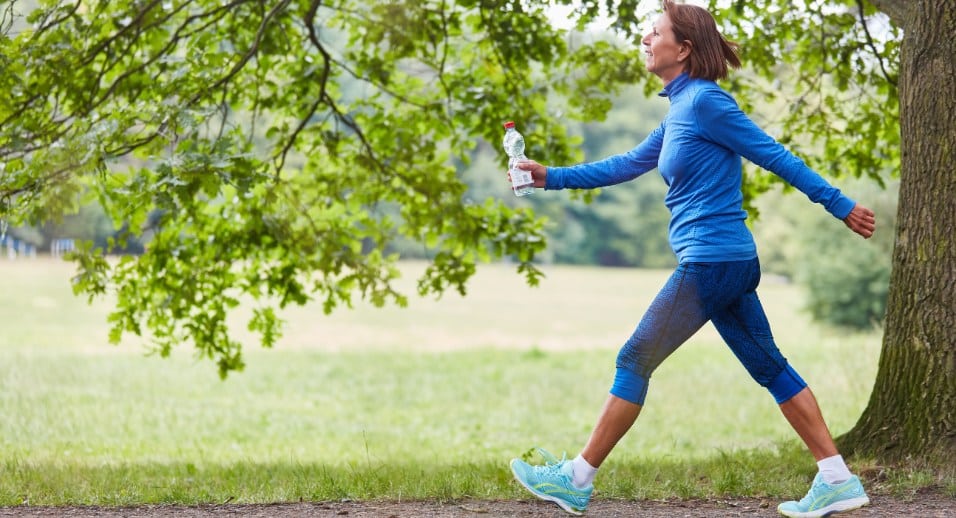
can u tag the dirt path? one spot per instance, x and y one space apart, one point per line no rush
923 505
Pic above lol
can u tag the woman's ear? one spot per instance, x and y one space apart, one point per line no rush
686 47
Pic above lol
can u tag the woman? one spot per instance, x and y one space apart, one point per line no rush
697 150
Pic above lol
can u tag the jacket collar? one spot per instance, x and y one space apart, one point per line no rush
676 86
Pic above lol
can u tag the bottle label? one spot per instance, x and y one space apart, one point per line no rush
520 177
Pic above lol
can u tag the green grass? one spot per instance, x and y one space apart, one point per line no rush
429 401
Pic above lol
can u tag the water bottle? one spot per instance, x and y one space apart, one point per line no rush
521 181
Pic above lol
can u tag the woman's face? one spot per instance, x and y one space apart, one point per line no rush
666 57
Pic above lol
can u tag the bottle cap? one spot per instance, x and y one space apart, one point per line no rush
509 124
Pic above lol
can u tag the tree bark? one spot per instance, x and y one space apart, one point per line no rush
912 410
897 10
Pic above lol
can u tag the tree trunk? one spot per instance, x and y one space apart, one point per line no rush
912 410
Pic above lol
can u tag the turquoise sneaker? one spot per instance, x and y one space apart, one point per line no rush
553 482
824 499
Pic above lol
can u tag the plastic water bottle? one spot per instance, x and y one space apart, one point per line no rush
521 181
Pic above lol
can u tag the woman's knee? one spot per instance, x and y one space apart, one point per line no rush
629 386
785 385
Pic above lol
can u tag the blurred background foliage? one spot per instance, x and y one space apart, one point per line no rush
626 225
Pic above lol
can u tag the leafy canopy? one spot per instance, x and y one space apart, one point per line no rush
272 151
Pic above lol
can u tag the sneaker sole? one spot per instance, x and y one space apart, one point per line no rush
836 507
561 503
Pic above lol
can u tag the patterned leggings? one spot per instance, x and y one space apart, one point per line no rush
723 293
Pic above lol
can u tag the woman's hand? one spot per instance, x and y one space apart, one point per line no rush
539 173
861 220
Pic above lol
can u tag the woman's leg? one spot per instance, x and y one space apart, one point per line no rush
805 417
683 305
615 420
744 327
834 488
677 312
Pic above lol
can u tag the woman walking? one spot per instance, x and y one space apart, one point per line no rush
697 149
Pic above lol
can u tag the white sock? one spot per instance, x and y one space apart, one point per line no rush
834 470
584 473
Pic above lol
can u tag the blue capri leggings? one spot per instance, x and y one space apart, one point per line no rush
723 293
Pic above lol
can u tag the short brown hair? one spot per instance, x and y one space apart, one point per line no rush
711 53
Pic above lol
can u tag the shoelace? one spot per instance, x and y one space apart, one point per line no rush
550 458
549 470
552 465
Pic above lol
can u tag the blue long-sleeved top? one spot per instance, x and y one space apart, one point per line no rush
697 150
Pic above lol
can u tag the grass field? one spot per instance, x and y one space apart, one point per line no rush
429 401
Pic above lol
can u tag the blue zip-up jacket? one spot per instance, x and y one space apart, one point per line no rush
698 149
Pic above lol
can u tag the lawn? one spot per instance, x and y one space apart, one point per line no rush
428 401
